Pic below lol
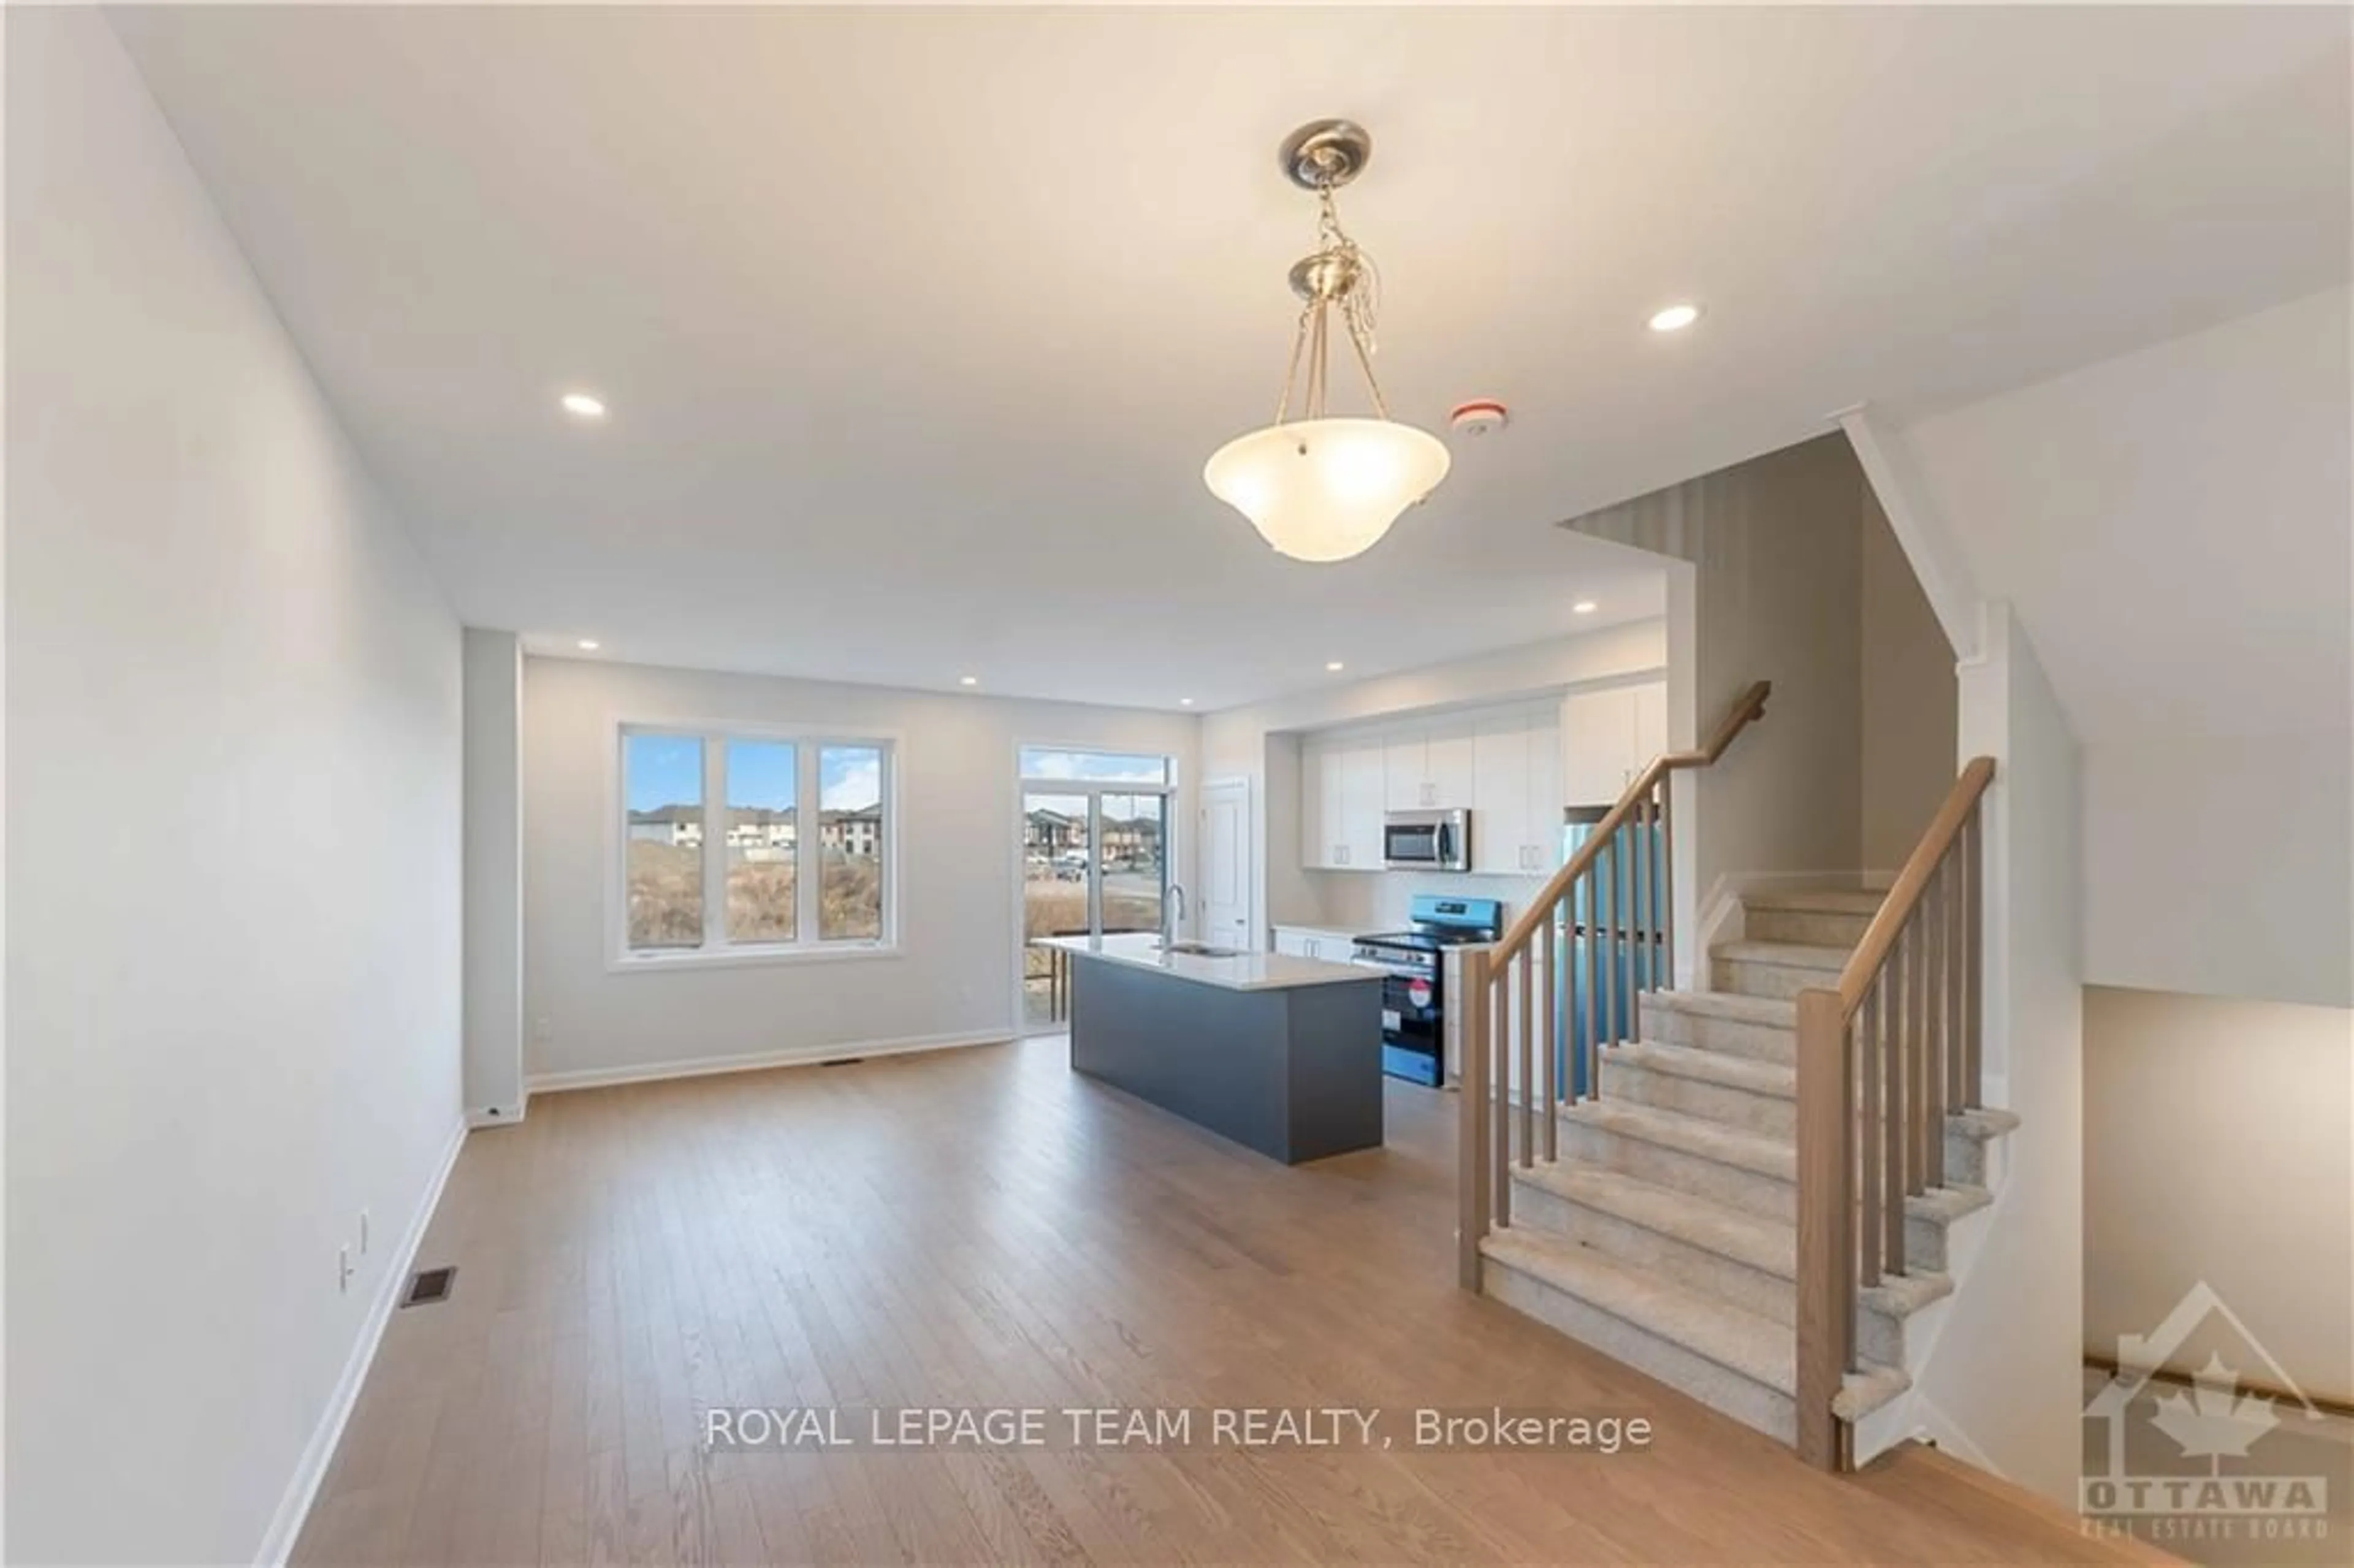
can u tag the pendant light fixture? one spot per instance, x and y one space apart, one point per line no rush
1317 488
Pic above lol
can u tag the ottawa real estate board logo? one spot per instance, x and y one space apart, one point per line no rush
2209 1461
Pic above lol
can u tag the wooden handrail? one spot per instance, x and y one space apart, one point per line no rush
1870 955
1743 711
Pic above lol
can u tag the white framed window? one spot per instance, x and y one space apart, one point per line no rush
745 844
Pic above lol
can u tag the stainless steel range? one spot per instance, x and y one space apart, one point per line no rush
1413 998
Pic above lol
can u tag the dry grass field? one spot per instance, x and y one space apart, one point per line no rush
666 898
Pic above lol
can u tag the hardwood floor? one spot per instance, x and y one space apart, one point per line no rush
982 1228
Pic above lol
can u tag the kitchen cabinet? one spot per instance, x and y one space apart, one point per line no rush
1608 736
1343 786
1516 792
1429 767
1307 942
1504 765
1362 781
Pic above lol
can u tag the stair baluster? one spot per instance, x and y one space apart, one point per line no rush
1900 1032
1614 902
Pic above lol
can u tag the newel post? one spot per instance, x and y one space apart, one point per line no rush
1471 1091
1826 1223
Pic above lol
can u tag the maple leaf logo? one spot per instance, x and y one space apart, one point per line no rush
2216 1419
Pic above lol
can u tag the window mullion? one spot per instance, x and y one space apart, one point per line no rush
1094 864
808 854
715 841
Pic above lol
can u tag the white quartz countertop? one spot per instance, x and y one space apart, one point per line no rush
1245 972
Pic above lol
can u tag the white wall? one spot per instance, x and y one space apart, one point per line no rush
2222 867
2001 1385
233 813
2174 528
493 816
958 870
1910 701
2219 1148
1261 742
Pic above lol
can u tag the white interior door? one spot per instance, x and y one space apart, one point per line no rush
1225 894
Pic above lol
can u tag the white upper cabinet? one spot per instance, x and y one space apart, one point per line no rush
1500 801
1363 784
1428 768
1504 765
1449 780
1516 800
1405 764
1607 737
1343 799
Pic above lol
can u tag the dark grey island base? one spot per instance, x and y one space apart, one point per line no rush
1292 1070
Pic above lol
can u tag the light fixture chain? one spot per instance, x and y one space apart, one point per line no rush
1291 371
1349 279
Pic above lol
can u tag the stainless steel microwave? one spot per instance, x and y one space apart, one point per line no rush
1427 841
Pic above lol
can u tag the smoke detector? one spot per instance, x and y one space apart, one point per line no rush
1481 417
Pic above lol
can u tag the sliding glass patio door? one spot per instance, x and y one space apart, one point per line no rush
1095 861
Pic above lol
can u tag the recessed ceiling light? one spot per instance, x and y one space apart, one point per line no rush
967 680
1583 606
1675 318
584 405
1336 666
1185 702
589 645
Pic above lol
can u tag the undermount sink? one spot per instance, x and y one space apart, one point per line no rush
1201 951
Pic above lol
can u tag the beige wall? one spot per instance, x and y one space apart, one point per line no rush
1775 595
1910 698
2219 1146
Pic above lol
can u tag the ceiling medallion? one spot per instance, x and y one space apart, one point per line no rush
1320 489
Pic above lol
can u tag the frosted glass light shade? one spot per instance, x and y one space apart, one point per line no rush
1325 490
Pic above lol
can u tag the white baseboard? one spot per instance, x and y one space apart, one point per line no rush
497 1116
294 1508
798 1056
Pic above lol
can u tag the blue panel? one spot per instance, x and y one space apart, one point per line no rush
1445 909
1413 1066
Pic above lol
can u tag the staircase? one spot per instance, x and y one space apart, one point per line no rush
1664 1232
1749 1191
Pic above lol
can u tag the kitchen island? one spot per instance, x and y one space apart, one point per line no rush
1282 1054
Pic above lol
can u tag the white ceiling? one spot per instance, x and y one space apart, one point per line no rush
917 326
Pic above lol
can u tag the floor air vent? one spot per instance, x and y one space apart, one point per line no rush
843 1062
428 1285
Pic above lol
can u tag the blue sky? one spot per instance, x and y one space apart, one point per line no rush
1095 767
667 770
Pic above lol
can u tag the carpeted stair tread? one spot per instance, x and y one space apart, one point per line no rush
1947 1204
1788 955
1709 1066
1757 1348
1752 1151
1982 1122
1770 1012
1767 1246
1815 900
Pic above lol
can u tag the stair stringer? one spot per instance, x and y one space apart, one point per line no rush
1910 1416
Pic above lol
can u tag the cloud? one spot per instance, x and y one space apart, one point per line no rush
1094 767
848 780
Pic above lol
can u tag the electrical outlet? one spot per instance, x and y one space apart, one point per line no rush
343 1270
363 1233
